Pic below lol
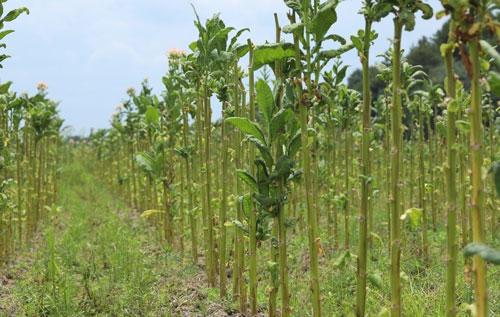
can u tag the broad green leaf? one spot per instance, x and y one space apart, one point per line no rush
283 167
324 19
278 122
246 204
340 75
4 88
12 15
248 127
263 150
247 178
487 253
152 116
376 280
265 99
270 53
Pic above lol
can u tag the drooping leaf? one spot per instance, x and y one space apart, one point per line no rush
426 9
270 53
247 178
296 28
5 33
264 151
12 15
381 9
248 127
342 259
491 51
376 280
329 54
246 204
182 152
484 251
293 4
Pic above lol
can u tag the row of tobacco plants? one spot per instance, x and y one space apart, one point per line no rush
296 156
29 141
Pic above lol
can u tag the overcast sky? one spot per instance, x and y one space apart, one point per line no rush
90 51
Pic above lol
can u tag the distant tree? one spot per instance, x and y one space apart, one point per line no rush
425 53
377 86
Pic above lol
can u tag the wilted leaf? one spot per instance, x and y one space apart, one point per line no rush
415 216
487 253
152 212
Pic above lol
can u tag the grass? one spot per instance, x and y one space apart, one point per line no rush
96 258
102 262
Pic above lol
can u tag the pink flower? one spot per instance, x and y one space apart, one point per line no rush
42 86
176 53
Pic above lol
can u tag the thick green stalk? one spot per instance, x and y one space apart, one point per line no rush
252 223
396 117
476 150
223 210
198 168
347 163
285 295
189 175
421 179
451 192
211 265
365 171
19 188
312 226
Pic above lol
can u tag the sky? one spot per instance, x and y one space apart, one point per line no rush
90 51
